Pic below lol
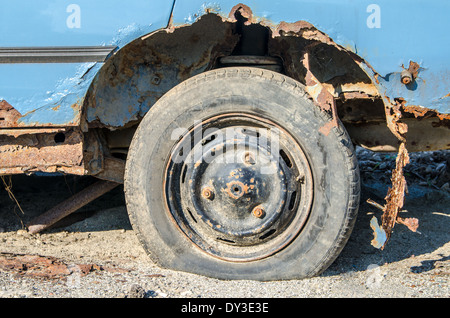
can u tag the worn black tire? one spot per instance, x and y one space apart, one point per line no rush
280 99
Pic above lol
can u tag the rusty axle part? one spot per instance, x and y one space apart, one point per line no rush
70 205
406 77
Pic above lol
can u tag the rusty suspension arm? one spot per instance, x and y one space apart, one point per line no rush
69 206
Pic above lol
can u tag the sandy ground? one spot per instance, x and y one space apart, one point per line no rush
94 253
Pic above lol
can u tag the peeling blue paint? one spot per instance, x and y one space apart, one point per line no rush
35 89
380 236
65 110
428 89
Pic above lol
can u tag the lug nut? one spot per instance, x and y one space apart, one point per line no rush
258 212
207 193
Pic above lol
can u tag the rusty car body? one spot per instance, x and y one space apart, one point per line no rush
77 79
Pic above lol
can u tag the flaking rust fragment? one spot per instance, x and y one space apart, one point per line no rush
393 117
413 69
48 267
320 95
8 115
396 193
394 203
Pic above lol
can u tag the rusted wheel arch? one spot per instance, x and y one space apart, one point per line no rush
138 74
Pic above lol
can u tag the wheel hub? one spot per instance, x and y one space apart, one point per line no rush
237 187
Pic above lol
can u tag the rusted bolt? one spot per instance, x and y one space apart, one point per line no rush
258 212
207 193
406 77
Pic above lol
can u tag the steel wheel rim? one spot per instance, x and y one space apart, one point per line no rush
239 199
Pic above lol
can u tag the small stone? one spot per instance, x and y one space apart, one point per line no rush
22 233
136 291
160 293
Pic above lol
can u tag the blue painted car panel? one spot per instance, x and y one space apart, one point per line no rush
54 23
36 89
387 35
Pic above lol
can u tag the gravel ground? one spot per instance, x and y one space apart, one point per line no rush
95 254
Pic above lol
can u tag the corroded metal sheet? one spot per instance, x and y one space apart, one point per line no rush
47 267
8 115
47 152
396 194
138 75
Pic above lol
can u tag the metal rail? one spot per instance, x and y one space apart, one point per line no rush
67 54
